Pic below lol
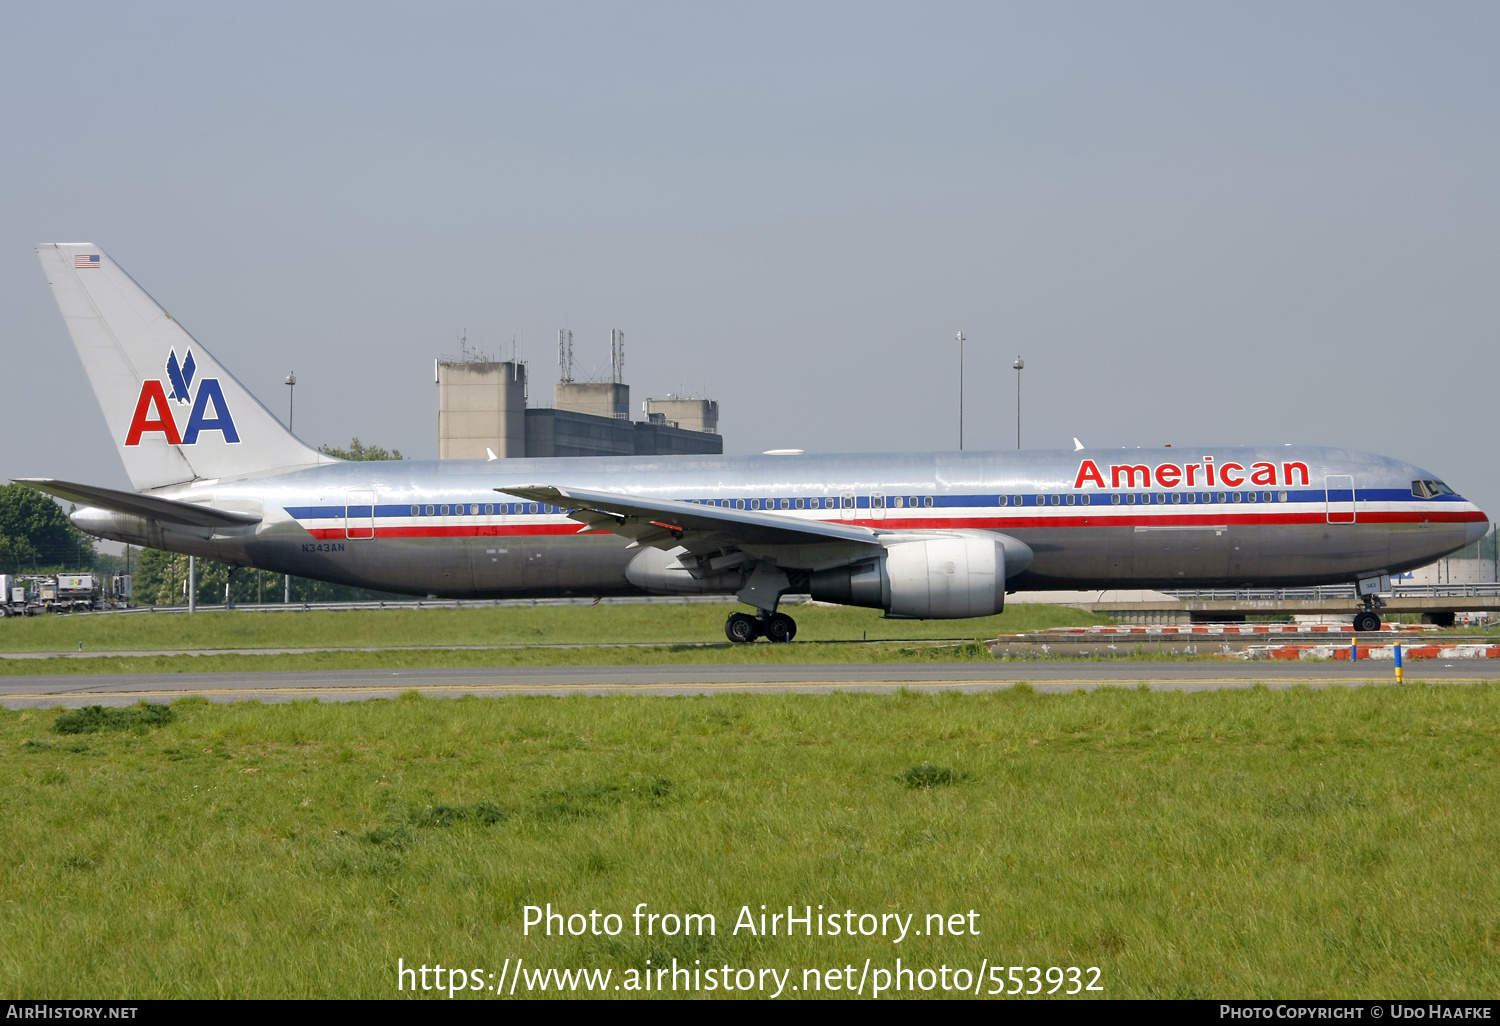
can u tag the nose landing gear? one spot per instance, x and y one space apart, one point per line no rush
742 628
1366 620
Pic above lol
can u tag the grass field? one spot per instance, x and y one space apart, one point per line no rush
1249 843
577 655
512 625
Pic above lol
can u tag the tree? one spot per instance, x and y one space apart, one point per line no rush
357 450
35 534
161 580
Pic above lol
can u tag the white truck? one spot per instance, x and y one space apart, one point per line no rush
30 594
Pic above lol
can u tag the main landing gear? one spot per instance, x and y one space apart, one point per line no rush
742 628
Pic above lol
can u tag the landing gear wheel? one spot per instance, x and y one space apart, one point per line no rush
741 628
780 628
1366 621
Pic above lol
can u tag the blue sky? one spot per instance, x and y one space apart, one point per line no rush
1199 223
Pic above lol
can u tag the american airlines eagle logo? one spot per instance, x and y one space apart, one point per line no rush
208 412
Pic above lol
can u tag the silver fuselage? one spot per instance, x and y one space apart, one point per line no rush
448 529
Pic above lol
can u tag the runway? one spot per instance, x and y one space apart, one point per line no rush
1052 676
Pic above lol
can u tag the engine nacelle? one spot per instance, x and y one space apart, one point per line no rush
944 577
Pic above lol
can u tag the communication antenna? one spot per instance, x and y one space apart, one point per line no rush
617 354
565 354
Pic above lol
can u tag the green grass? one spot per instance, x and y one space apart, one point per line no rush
515 625
1338 842
430 659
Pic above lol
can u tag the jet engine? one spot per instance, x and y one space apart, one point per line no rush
940 577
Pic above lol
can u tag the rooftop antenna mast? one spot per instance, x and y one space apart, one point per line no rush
565 354
617 354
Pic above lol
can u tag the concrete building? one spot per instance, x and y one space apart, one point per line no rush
610 399
482 406
554 432
688 414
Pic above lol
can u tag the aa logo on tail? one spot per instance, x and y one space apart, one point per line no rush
153 410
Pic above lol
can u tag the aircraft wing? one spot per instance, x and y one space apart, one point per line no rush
669 523
171 511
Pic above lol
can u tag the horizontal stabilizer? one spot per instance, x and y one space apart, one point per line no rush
154 507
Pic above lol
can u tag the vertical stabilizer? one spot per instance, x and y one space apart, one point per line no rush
175 413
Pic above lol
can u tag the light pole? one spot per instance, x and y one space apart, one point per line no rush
1019 365
960 337
291 395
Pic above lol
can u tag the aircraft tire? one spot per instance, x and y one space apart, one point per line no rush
780 628
741 628
1366 621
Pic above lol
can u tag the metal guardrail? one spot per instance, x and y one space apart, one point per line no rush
1335 592
306 607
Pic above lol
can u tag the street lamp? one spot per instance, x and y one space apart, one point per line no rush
291 394
960 337
1019 365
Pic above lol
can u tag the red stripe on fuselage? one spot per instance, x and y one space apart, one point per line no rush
991 523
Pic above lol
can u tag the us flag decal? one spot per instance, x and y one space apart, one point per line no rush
86 261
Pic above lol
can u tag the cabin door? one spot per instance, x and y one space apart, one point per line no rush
1340 496
359 515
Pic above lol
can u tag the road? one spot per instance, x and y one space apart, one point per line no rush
1052 676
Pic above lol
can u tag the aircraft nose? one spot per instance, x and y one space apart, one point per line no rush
1476 531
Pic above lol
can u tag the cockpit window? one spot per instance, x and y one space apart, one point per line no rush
1430 489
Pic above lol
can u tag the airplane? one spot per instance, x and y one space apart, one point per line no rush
939 535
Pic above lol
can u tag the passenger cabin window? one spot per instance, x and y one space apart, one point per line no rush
927 501
1281 496
416 511
848 501
799 503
